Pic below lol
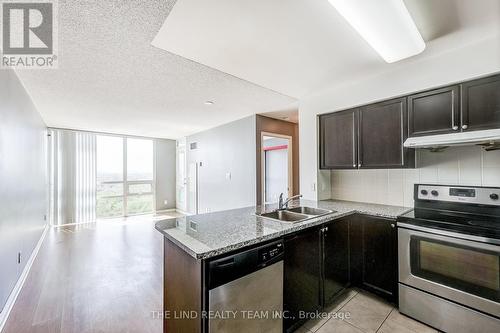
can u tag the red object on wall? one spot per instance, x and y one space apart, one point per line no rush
276 147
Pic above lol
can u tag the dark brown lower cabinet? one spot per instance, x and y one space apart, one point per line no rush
302 273
374 255
335 265
321 262
316 270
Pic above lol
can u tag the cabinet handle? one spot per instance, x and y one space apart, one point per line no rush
393 225
455 127
354 165
465 127
359 165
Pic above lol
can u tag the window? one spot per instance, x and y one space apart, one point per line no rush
139 176
110 178
125 175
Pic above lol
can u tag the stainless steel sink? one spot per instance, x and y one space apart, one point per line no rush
296 214
310 211
285 216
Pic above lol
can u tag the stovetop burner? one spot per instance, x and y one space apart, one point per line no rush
482 225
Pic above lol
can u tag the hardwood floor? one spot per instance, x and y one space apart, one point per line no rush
99 277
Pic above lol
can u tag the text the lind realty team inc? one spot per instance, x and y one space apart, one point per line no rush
246 314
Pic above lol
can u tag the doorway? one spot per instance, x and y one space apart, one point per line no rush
277 166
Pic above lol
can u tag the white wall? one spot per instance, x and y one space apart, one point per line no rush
165 173
454 166
411 75
227 149
23 180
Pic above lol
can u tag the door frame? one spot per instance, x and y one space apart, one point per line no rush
195 187
179 183
263 163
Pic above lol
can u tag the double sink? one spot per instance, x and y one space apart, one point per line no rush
296 214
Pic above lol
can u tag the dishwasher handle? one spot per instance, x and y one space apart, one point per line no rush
232 267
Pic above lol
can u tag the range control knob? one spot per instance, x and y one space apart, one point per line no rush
424 192
494 196
434 193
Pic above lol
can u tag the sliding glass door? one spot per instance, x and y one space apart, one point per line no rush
125 176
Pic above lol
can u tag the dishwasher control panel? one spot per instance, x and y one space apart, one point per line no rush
270 252
228 268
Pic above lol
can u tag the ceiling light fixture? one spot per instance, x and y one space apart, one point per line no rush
385 25
209 103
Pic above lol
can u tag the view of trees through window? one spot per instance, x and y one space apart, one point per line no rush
124 176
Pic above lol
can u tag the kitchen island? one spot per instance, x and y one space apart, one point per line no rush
191 242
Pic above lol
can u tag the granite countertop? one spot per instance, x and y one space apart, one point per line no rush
207 235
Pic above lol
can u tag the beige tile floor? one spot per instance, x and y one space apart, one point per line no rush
358 311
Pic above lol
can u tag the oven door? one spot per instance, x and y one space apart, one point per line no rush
463 271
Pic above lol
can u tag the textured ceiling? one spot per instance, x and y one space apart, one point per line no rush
299 46
111 79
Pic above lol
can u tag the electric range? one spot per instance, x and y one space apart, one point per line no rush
449 258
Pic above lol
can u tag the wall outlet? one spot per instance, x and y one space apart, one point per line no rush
313 187
165 202
207 210
228 175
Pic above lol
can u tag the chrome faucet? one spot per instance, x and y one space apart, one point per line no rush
284 204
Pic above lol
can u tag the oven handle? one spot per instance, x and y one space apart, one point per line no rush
450 234
446 238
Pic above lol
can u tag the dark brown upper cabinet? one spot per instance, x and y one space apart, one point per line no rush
369 137
338 135
480 102
382 131
434 112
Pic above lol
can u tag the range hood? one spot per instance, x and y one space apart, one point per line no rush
488 138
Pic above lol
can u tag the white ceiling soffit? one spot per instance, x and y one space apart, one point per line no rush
291 116
299 46
111 79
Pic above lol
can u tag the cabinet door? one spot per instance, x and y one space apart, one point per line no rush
302 275
481 103
335 259
338 140
382 131
379 251
434 112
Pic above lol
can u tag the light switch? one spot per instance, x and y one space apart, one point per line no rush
228 175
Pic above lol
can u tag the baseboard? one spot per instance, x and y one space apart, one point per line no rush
4 315
172 210
183 212
165 210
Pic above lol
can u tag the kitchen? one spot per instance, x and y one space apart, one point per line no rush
443 254
266 166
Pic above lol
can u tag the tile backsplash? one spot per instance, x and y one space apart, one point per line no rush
469 165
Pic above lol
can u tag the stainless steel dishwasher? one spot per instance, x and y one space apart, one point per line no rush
246 291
